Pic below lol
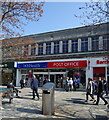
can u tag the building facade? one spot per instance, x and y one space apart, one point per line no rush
87 44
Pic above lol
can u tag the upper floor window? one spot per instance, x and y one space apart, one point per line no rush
106 42
95 43
74 45
40 49
84 44
25 49
56 47
48 48
33 49
65 46
19 51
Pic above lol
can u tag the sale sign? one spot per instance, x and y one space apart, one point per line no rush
67 64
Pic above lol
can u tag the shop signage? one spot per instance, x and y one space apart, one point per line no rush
32 65
60 64
67 64
102 62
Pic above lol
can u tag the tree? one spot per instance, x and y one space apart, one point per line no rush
19 48
94 12
17 14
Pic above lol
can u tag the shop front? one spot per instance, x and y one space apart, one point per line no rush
8 72
54 70
98 68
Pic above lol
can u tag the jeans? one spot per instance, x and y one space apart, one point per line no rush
100 95
35 91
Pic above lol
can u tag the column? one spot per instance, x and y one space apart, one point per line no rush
89 70
55 80
79 45
100 43
52 47
44 48
89 44
69 46
36 52
29 49
18 77
23 50
60 47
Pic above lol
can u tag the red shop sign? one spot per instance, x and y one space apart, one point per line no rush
67 64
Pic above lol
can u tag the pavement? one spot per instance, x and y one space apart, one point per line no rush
68 105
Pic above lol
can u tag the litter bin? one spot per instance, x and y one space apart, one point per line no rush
48 98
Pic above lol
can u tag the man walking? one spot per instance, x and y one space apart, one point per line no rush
34 86
100 93
90 90
105 87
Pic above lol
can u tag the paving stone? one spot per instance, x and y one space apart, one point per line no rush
68 105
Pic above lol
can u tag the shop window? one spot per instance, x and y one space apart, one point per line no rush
24 71
98 72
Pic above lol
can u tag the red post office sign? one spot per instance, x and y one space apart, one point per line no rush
67 64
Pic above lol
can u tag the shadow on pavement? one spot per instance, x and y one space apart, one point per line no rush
26 110
5 102
38 118
78 101
101 117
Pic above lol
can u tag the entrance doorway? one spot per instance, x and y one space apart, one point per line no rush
54 77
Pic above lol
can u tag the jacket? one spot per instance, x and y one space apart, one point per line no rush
100 87
34 83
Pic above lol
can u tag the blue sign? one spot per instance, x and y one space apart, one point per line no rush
32 65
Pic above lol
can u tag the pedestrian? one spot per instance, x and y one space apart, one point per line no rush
105 87
15 90
90 90
70 83
78 82
64 82
22 83
34 86
100 92
95 86
74 84
67 86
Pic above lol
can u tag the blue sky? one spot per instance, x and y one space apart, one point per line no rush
56 16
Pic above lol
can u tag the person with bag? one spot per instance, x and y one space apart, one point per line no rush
90 90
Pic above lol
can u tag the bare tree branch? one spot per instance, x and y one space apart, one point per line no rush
17 14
